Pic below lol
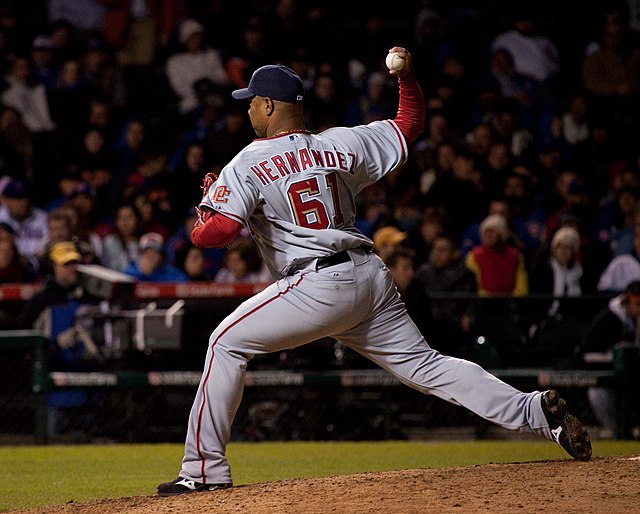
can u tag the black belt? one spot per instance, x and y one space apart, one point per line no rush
332 260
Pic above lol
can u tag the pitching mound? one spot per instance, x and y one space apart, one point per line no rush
610 484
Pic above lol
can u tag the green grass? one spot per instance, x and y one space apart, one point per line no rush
49 475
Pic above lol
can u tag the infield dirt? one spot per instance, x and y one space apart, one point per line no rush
603 485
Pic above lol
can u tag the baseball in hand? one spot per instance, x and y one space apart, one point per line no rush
394 61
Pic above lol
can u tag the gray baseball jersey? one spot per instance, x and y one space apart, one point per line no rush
296 190
296 193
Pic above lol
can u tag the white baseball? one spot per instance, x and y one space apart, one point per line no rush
394 61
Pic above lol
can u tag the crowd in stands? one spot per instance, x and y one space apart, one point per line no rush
526 177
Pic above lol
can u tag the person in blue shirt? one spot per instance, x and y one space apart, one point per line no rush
151 265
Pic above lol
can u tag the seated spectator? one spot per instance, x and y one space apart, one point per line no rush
622 269
151 265
29 223
471 236
615 324
121 247
14 268
560 324
460 192
54 309
180 241
534 55
43 70
59 228
29 100
503 77
197 62
559 271
445 272
191 261
400 261
575 120
16 144
243 263
385 239
614 69
617 218
498 267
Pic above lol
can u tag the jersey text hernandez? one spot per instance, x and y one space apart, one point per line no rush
286 163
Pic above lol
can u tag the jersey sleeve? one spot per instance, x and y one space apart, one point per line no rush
233 195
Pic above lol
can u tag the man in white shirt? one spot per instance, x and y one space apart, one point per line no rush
197 62
28 222
533 55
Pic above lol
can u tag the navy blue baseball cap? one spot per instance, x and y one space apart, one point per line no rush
273 81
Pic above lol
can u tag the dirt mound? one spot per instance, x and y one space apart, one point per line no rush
610 484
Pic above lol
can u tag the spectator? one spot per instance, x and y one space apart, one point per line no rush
250 53
228 137
445 272
460 192
521 88
14 268
30 100
87 241
148 215
191 261
16 144
137 29
386 239
69 100
575 120
42 69
560 271
372 104
180 241
121 247
86 16
617 323
243 263
498 267
197 62
471 235
533 55
59 228
614 69
55 309
150 265
616 220
433 224
28 222
622 269
100 73
400 261
323 105
187 178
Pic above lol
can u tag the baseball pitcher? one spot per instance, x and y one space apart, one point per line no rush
295 192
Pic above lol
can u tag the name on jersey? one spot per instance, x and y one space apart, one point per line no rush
303 159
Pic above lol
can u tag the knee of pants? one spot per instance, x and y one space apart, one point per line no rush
230 346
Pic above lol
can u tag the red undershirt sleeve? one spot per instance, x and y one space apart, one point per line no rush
411 110
218 231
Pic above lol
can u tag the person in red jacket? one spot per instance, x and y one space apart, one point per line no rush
498 267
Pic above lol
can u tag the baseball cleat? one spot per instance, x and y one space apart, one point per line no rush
566 429
183 485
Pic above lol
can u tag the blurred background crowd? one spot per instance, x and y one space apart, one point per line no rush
525 182
526 178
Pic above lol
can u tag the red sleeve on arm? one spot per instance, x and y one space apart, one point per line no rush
411 111
218 231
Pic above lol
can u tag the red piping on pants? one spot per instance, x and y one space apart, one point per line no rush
206 379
